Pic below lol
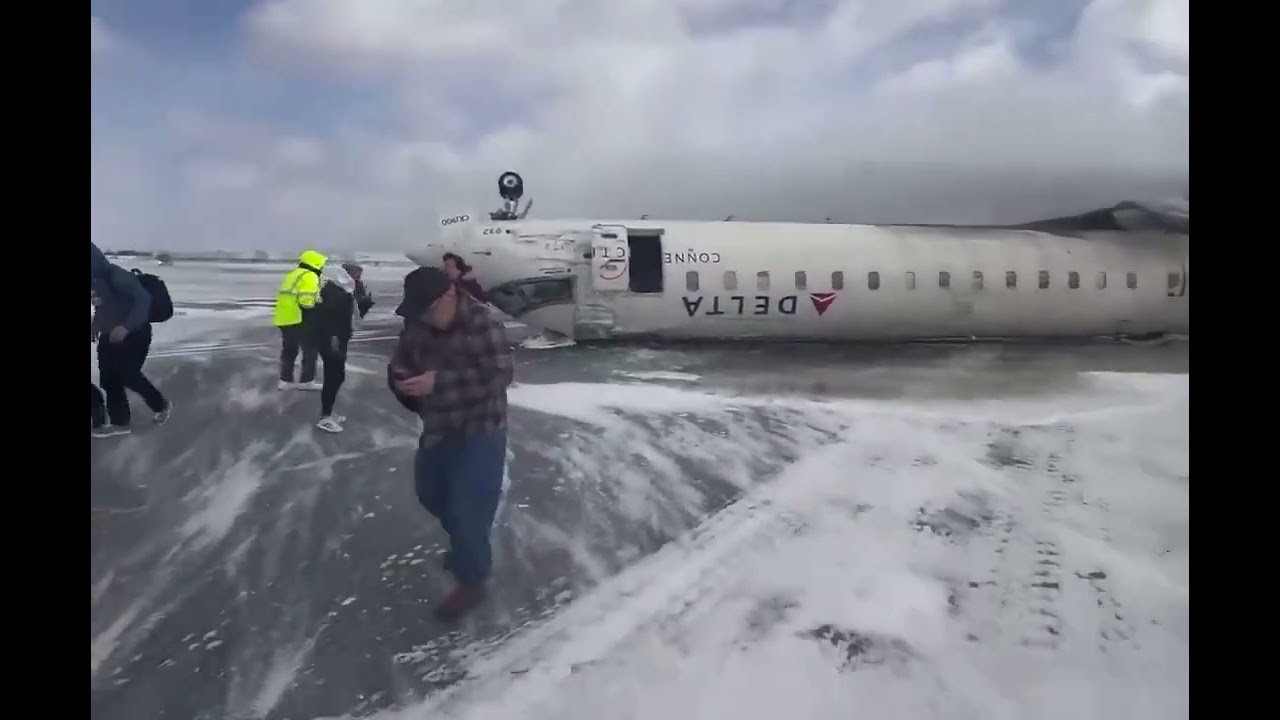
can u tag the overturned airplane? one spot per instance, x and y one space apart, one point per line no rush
1116 272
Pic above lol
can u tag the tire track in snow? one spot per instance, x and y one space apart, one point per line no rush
1114 629
1024 584
1085 591
1044 597
646 597
669 591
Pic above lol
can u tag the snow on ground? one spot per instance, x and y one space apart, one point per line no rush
197 328
661 375
211 302
214 303
542 341
984 559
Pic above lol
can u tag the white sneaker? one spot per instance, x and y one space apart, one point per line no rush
339 418
329 423
286 385
312 386
107 431
163 415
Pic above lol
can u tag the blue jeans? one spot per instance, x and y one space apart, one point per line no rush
459 480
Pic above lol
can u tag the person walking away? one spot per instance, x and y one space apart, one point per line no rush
460 272
364 300
122 329
97 404
97 408
297 296
329 328
452 366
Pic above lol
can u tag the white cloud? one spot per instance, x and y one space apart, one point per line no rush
101 39
924 110
222 177
298 152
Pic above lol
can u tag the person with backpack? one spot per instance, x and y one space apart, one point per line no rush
452 366
329 326
121 325
296 297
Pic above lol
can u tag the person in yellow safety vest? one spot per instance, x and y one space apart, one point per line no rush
298 294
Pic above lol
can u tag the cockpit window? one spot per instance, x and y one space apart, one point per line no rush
521 296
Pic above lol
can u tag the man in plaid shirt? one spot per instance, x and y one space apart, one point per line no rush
452 366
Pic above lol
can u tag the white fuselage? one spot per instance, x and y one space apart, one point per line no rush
616 279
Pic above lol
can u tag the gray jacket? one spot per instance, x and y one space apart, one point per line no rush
123 299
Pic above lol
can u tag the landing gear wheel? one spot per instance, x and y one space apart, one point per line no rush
510 186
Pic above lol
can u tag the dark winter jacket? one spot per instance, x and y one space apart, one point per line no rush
472 288
364 300
331 317
122 299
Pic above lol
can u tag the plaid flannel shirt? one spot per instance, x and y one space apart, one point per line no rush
473 365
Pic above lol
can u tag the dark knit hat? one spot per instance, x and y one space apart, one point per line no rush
421 288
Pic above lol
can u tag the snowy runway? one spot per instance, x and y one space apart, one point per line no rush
932 563
688 532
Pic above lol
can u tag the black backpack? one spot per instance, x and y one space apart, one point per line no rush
161 303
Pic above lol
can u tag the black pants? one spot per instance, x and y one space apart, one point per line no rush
120 369
97 407
335 372
292 338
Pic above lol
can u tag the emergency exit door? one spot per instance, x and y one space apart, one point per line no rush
1177 282
610 259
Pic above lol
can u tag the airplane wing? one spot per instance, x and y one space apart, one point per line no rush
1172 215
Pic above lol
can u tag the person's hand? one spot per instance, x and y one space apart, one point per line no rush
337 347
118 334
417 385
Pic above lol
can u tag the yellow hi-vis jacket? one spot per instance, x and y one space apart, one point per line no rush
300 289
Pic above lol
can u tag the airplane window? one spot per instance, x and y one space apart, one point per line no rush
911 281
1102 281
691 281
1175 279
837 280
1011 279
802 280
977 279
521 296
731 280
944 279
762 281
873 280
1044 279
1073 280
1131 280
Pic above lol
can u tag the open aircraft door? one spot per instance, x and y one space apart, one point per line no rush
1177 285
610 259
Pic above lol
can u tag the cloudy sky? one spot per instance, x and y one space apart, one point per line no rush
356 123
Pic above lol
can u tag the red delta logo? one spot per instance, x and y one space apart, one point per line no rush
822 301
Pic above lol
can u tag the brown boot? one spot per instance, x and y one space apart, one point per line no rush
457 604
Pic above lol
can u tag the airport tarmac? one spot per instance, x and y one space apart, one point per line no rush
246 565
